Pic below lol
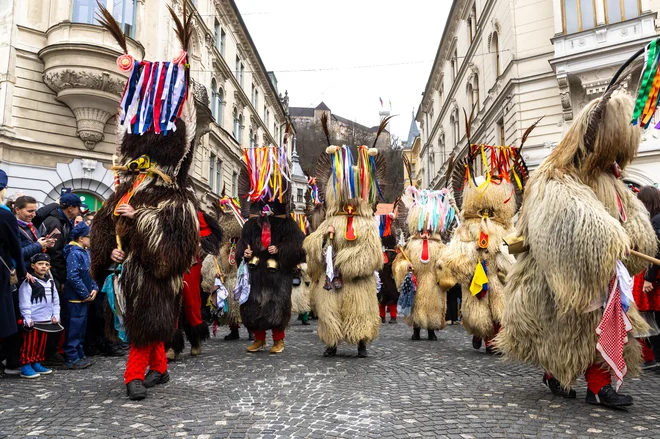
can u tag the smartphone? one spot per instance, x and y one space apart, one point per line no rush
53 234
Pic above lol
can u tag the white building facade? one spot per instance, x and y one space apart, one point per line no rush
515 62
60 89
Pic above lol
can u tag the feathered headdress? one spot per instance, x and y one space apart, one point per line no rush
431 210
268 170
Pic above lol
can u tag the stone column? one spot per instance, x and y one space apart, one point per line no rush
559 23
600 12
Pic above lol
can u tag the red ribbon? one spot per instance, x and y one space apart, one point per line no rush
425 251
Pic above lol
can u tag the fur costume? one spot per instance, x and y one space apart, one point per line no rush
226 261
388 295
161 241
268 305
571 224
315 213
430 214
300 294
476 256
349 313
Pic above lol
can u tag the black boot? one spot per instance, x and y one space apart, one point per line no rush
476 342
135 390
432 336
362 349
154 378
250 336
556 388
113 350
330 351
233 335
382 319
608 397
416 335
393 320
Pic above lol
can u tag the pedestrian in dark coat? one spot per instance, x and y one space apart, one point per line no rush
10 252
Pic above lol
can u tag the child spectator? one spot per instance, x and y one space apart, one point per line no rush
39 303
79 290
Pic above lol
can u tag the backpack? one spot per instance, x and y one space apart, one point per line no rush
43 213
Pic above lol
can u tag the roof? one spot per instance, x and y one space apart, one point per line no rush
414 131
322 107
301 112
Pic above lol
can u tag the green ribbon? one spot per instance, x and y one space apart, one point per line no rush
647 81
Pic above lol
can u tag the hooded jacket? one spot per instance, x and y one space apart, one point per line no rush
79 283
57 220
39 307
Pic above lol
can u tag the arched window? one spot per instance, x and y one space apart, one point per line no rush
470 95
443 149
495 50
455 126
475 91
214 98
454 64
220 103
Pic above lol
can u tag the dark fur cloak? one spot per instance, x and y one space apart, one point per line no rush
389 293
269 303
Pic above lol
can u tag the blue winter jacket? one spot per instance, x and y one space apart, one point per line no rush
29 244
79 283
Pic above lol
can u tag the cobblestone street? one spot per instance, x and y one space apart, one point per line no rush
404 389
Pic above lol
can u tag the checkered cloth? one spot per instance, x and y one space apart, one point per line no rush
614 326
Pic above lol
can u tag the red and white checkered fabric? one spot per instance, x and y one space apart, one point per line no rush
613 333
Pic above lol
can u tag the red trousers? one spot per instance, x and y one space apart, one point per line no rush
596 376
647 352
34 347
278 334
391 308
489 342
139 358
192 298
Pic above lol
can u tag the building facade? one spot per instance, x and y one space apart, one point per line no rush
515 62
60 89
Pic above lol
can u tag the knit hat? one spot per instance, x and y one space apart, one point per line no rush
40 257
70 199
3 179
81 230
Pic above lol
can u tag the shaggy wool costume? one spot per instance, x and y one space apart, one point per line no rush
300 294
161 240
422 252
349 313
571 224
481 316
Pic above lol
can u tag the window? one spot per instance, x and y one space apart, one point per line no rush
266 116
216 33
234 131
579 15
220 102
277 135
454 64
473 94
299 197
234 184
253 139
472 28
495 50
240 128
238 67
412 170
240 80
218 176
214 98
619 10
441 144
211 170
455 124
85 11
223 37
500 132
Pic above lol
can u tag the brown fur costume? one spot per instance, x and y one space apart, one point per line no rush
570 223
351 313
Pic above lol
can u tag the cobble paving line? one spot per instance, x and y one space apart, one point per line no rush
404 389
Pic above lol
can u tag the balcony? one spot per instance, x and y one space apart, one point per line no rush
80 67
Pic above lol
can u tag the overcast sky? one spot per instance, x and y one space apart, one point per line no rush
349 53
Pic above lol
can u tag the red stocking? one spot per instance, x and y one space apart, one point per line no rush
381 309
157 359
278 334
136 365
597 377
392 309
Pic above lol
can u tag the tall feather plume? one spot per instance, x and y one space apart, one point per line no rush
408 166
597 113
381 128
108 21
244 190
450 170
326 129
183 29
528 131
458 181
468 124
322 172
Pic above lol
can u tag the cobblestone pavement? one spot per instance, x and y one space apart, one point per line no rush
404 389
